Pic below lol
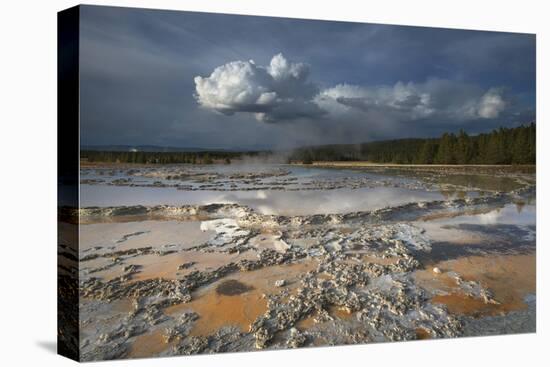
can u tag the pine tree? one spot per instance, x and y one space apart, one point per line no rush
463 152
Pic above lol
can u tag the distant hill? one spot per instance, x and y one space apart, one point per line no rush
148 148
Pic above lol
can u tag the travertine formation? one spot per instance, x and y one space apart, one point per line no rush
357 286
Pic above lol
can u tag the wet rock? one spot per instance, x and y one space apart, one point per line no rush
131 269
186 265
127 236
474 289
158 211
296 339
181 329
230 237
192 345
118 254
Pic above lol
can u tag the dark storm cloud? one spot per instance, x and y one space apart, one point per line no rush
187 79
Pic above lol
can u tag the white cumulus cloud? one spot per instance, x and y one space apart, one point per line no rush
436 98
279 91
491 104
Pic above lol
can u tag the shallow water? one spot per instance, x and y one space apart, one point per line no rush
141 234
241 309
233 172
265 201
517 214
509 277
273 189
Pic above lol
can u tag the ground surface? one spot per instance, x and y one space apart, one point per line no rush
190 259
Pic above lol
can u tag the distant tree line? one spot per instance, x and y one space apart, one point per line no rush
161 157
500 146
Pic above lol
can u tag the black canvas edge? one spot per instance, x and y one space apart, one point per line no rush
68 152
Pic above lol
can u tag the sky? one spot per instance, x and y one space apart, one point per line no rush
187 79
